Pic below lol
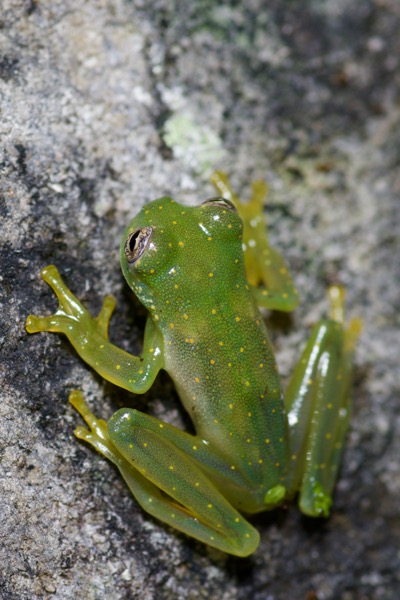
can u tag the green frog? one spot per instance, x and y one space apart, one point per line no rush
202 273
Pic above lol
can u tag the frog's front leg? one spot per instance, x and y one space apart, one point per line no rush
266 270
89 336
318 408
165 481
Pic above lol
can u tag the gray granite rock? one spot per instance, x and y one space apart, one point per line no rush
106 105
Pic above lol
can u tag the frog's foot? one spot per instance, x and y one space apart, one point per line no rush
70 311
97 435
266 270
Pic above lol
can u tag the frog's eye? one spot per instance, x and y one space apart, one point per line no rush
136 243
220 202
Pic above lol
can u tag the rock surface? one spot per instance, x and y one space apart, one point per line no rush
106 105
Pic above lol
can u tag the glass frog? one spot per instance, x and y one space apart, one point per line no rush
202 273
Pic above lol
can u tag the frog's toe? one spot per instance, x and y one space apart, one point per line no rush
35 324
103 318
50 274
316 504
57 323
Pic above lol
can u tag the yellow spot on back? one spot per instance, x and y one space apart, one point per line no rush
213 311
181 244
118 367
197 380
211 274
171 325
212 362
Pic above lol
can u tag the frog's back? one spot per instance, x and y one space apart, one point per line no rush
224 369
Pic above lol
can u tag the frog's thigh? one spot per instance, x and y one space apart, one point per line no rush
190 501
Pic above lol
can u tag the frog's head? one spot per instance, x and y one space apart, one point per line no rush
170 247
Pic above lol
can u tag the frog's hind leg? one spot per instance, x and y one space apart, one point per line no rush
318 408
266 270
164 480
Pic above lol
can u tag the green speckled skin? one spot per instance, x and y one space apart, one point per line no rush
211 329
252 448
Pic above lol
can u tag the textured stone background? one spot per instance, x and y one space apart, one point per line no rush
108 104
